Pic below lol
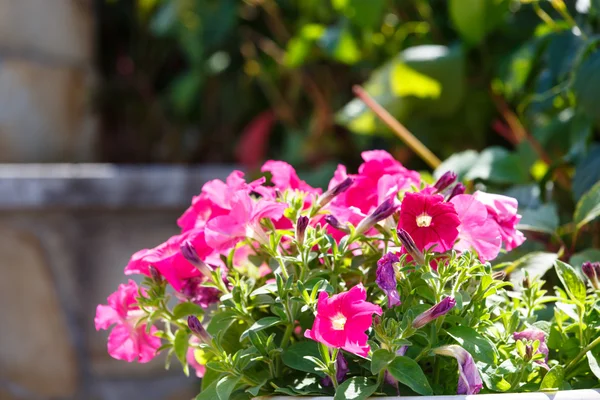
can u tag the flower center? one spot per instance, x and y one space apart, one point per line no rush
338 321
423 220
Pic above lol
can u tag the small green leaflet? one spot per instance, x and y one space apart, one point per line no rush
593 362
355 388
261 324
553 379
480 348
407 371
380 359
571 281
588 207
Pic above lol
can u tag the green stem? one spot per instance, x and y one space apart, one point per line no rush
582 353
518 377
287 335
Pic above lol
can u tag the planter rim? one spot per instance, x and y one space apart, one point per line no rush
579 394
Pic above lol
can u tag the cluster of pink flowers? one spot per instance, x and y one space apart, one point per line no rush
229 216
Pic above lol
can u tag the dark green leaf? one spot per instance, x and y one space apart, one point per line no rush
226 385
571 281
294 355
220 322
587 85
182 310
541 219
208 393
355 388
459 163
588 207
480 348
380 359
407 371
587 172
261 324
181 344
592 255
473 19
553 379
497 164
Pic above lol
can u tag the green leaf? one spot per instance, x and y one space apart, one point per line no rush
226 385
535 264
571 281
208 393
587 85
587 172
221 322
181 344
261 324
592 255
459 163
588 207
553 379
594 367
339 43
380 359
269 288
407 371
480 348
184 91
473 19
366 14
182 310
408 82
496 164
294 356
355 388
541 219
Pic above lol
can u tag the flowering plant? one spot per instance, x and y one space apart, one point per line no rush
382 284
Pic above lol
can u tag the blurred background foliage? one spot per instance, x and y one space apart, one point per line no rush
506 91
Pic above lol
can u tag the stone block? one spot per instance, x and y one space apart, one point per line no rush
36 350
56 30
45 112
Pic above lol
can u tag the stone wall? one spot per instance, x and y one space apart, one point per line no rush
66 232
46 77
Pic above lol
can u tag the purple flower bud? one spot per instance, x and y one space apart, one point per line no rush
198 330
386 278
384 210
402 350
528 352
533 334
499 275
334 223
441 308
193 290
341 369
409 245
334 192
469 380
458 189
301 225
156 277
188 251
445 180
592 271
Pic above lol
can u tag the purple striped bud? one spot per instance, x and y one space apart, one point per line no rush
386 278
334 192
156 277
384 210
334 223
198 330
445 180
458 189
441 308
592 272
341 369
409 245
469 380
301 225
499 275
188 251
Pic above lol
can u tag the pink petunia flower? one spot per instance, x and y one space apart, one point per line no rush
503 211
127 340
192 360
476 231
284 177
225 231
431 222
342 320
469 379
214 200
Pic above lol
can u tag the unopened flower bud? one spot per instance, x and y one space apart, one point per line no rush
188 251
528 352
592 272
156 277
458 189
445 180
499 275
301 225
334 192
198 330
441 308
526 283
410 246
384 210
333 221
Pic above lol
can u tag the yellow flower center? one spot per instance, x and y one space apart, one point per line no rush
338 322
423 220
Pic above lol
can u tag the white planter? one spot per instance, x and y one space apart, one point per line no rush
583 394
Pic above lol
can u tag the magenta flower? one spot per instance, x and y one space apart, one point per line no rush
284 177
386 278
127 341
342 320
534 334
431 222
192 360
441 308
503 211
243 221
214 200
469 380
476 231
